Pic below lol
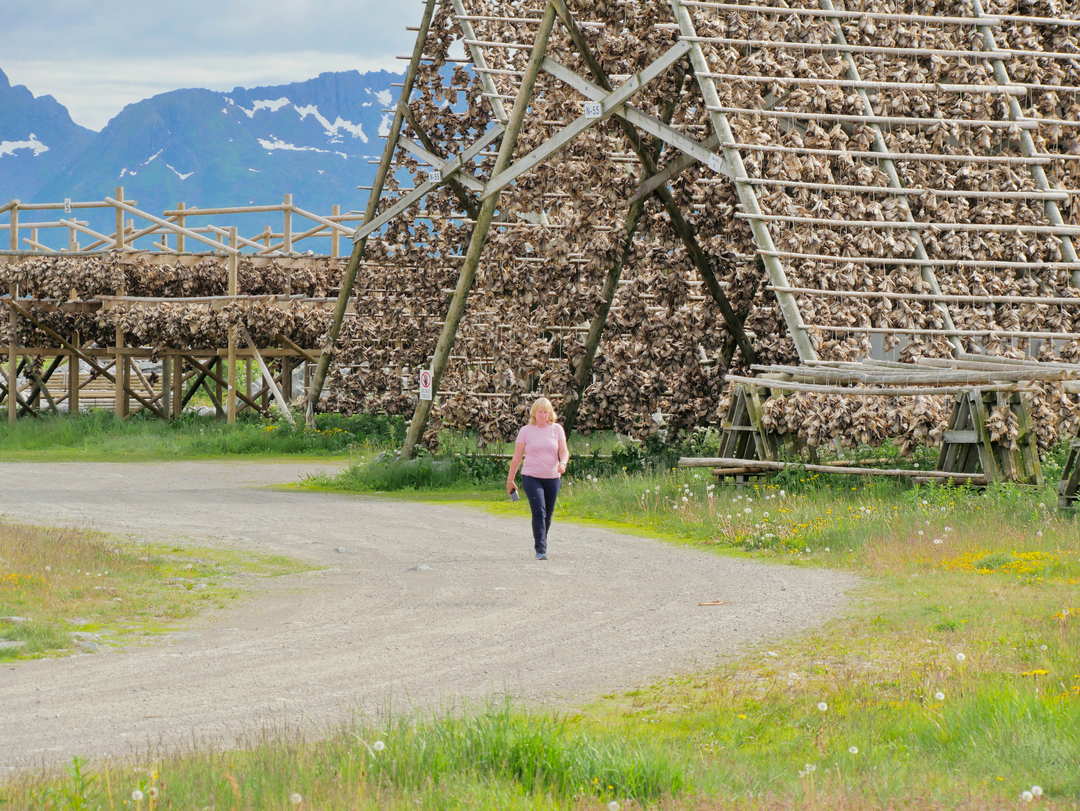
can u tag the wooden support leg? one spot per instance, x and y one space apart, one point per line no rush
269 379
230 408
178 386
74 371
1069 488
480 232
166 385
219 388
13 362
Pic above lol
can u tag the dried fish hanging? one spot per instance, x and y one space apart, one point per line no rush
560 226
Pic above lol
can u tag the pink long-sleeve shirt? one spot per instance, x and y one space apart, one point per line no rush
541 450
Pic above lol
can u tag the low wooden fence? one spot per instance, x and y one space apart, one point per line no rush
180 230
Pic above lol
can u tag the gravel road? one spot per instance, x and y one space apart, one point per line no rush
419 606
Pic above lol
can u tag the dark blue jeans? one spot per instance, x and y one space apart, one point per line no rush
542 494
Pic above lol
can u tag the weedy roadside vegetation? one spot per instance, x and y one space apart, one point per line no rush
67 590
100 436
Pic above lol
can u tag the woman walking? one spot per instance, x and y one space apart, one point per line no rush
542 445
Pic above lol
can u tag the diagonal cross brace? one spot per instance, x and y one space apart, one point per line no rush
610 104
643 121
450 167
430 158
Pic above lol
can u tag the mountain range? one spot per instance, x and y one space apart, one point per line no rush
315 139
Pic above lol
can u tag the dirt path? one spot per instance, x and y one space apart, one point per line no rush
424 606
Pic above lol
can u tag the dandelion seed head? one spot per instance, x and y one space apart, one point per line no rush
378 746
960 657
822 706
613 806
940 696
854 750
295 799
1037 791
137 796
153 792
1027 796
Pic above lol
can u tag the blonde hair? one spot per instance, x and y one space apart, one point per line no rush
541 404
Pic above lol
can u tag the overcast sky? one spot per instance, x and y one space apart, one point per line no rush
95 56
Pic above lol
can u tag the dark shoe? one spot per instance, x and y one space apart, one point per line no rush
541 556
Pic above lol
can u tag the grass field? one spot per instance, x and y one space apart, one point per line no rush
63 590
100 437
953 680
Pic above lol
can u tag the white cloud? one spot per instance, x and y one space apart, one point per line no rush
96 91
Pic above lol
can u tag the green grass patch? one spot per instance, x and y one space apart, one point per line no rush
952 680
495 759
64 590
100 436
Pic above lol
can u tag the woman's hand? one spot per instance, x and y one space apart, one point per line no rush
562 468
510 486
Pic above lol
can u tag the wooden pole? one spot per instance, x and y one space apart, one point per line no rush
181 243
268 377
166 385
480 231
286 223
13 327
359 248
701 260
178 386
74 377
725 461
789 308
234 289
335 237
1027 144
596 328
118 239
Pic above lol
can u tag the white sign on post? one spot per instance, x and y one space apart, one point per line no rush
425 385
593 109
435 176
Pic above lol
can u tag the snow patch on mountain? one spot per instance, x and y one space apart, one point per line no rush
273 105
153 157
32 143
272 143
331 130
